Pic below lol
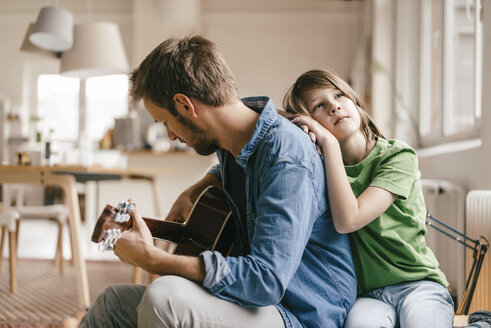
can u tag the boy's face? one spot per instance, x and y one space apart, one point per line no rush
336 112
179 127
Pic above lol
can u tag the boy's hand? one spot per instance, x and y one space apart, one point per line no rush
317 133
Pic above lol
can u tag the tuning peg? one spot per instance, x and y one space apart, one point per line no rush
126 207
131 207
117 217
121 205
111 236
102 247
125 217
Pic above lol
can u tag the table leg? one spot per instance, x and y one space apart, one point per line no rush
75 233
91 206
156 197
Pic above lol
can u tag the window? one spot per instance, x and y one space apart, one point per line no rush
451 70
106 98
58 106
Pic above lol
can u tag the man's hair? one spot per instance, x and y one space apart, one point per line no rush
294 103
192 66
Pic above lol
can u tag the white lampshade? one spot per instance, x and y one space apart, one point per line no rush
98 50
28 47
53 29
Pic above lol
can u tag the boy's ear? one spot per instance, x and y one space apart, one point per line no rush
184 105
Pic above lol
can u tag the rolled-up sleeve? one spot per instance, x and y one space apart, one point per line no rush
216 268
286 210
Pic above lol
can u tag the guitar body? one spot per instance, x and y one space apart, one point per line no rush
208 227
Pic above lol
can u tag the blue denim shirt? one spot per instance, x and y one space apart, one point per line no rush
297 260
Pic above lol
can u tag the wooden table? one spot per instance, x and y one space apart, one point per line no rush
66 177
95 173
67 183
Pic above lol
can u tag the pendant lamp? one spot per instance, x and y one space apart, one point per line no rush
53 29
28 47
98 50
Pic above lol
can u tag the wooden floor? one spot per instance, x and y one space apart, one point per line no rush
45 297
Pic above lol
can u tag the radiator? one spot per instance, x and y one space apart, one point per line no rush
478 223
446 202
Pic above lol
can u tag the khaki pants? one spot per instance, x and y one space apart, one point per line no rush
172 301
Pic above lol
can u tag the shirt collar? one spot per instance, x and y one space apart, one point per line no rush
265 107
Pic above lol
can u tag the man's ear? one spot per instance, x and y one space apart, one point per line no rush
184 105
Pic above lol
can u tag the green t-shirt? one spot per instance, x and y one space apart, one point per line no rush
392 248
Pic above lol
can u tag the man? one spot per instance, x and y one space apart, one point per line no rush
294 270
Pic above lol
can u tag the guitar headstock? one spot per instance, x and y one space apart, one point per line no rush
110 225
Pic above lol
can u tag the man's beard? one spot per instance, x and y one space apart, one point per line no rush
199 140
206 146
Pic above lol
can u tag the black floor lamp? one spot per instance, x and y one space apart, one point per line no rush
479 248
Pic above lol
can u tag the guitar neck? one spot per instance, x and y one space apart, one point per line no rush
207 227
171 231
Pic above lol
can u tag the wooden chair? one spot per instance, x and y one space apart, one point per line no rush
9 220
10 174
55 211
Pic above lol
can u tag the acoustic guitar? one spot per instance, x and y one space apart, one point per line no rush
208 227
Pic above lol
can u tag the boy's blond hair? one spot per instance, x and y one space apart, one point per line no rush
293 101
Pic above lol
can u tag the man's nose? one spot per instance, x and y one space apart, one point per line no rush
171 134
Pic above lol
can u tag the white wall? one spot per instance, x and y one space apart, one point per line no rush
157 20
268 44
381 66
